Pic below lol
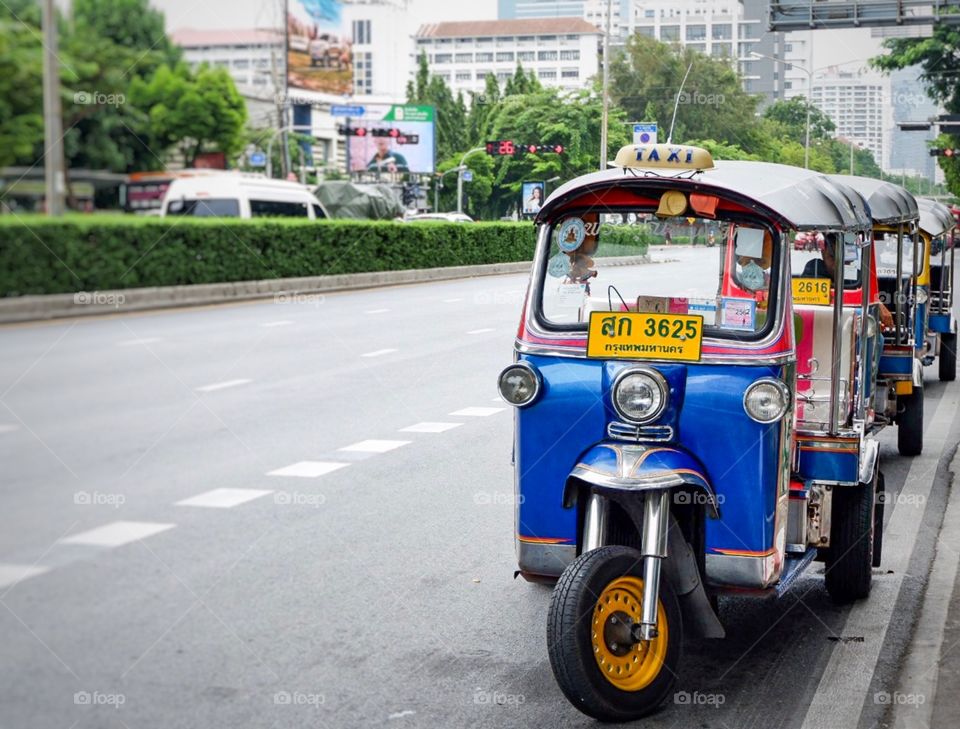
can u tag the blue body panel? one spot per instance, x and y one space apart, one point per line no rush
920 335
940 323
742 459
896 365
824 465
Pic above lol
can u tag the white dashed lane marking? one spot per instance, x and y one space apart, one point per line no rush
281 323
378 311
118 533
224 498
135 342
378 353
476 412
480 331
11 574
308 469
451 301
375 446
429 427
222 385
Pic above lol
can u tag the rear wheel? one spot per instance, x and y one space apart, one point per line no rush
599 668
910 423
881 499
849 563
948 357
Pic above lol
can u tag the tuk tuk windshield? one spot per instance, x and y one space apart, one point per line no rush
813 255
886 252
722 270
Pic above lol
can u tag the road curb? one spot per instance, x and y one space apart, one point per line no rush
120 301
95 303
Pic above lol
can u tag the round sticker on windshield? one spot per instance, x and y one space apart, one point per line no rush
571 235
558 266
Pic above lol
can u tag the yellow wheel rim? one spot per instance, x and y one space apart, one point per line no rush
628 667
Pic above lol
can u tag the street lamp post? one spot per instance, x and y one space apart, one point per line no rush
606 97
460 170
809 100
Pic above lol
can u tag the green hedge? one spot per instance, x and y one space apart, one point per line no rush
92 253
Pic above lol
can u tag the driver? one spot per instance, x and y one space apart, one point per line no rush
827 267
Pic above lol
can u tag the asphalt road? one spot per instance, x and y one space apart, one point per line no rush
353 566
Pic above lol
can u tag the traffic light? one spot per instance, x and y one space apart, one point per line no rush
509 148
947 152
391 132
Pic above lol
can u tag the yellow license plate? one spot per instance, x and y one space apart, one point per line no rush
631 335
814 291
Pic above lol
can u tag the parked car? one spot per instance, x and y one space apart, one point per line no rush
238 195
327 51
443 217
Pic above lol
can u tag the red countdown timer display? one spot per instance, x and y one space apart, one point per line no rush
508 148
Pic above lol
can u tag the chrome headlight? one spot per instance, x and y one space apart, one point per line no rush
922 296
519 384
639 395
767 400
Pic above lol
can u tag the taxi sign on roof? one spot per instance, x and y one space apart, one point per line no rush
664 157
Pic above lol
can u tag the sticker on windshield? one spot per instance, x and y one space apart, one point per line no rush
571 235
738 313
558 266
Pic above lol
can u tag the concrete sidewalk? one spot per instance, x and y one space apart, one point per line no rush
928 689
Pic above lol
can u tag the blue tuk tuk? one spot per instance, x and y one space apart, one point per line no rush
936 226
659 457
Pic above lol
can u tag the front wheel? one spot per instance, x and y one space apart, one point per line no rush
948 357
599 668
910 423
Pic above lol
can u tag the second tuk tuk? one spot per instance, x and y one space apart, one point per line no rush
936 226
662 456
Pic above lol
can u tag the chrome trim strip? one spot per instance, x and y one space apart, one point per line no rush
730 570
639 433
545 559
578 353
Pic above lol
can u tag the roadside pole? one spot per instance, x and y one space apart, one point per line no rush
54 181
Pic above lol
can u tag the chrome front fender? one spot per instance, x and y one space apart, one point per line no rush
617 468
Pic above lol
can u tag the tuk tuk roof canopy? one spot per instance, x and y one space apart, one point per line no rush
889 203
935 218
793 197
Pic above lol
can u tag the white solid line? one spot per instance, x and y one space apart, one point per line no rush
480 331
428 427
118 533
477 412
845 682
222 385
378 353
375 446
8 428
223 498
134 342
920 670
11 574
308 469
281 323
378 311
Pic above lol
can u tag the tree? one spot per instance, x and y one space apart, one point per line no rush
939 64
21 83
196 113
129 23
450 113
792 115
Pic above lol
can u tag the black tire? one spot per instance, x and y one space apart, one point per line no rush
910 423
849 563
881 499
570 644
948 357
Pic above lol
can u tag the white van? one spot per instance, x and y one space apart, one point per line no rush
239 195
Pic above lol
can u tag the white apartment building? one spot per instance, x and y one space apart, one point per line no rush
562 52
858 104
716 28
383 58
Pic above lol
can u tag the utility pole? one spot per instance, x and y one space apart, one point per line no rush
280 98
606 96
52 122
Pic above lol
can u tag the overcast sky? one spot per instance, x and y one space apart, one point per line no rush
269 13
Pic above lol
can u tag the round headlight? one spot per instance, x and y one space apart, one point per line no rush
519 384
639 396
922 296
766 401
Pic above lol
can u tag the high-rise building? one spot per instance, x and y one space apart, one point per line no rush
562 52
856 103
908 152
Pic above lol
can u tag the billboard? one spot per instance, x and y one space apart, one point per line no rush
319 47
532 196
392 138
